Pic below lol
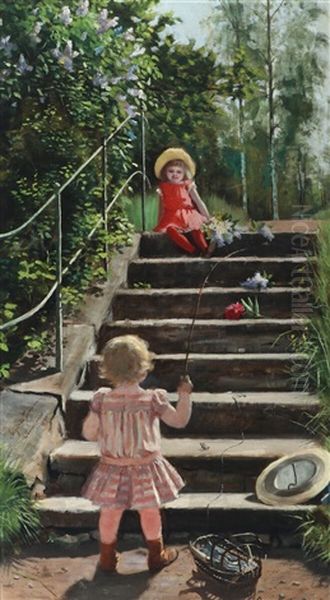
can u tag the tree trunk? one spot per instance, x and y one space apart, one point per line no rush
243 157
271 117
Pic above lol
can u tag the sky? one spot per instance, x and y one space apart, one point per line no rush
192 14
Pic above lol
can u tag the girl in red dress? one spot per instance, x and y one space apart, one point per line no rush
181 209
132 472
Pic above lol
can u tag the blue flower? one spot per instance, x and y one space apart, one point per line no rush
218 239
265 231
257 282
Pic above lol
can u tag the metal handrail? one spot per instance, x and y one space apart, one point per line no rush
60 271
66 183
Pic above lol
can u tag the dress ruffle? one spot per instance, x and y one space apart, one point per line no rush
136 487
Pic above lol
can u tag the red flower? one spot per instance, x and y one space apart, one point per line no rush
234 311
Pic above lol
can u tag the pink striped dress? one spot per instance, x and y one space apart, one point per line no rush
131 473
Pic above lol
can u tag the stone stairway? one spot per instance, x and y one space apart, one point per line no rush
247 410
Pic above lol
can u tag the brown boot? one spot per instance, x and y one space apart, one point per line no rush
159 557
108 557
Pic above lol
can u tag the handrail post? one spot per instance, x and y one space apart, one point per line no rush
143 169
59 304
105 202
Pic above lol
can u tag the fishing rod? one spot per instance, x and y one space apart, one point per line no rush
197 305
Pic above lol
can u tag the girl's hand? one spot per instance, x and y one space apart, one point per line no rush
185 385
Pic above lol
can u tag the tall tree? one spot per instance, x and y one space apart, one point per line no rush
281 39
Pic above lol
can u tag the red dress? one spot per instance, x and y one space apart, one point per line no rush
178 208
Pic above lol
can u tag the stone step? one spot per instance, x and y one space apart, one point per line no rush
209 335
222 414
218 372
191 272
193 513
283 244
276 302
204 463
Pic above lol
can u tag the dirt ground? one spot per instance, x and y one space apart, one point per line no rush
48 572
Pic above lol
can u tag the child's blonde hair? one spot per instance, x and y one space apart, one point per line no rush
175 163
126 358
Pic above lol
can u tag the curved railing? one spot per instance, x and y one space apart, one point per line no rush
102 221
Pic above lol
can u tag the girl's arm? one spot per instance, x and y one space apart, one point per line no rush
179 417
201 206
160 204
90 428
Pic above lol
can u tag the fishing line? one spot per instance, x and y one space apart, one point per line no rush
197 305
238 407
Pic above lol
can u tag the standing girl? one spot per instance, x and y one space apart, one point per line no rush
132 473
182 211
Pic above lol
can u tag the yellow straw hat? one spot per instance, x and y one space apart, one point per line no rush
295 478
174 154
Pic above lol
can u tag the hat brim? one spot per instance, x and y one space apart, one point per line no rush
295 478
174 154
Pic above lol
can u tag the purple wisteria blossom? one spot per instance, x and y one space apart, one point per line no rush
101 81
265 231
115 80
4 73
65 16
36 30
257 282
138 52
105 23
136 93
66 57
83 8
6 45
23 66
129 35
131 76
131 111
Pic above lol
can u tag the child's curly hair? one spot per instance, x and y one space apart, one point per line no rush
126 358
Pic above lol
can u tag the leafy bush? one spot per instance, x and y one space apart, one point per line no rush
19 519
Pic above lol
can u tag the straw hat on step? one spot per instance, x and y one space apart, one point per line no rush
174 154
295 478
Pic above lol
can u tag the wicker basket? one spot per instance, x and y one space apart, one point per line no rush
234 560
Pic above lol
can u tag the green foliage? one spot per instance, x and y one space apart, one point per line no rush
68 75
19 520
316 534
251 306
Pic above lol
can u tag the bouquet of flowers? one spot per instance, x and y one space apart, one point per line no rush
221 230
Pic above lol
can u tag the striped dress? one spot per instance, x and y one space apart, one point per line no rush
131 473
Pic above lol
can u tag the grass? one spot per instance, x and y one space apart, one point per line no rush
316 344
132 207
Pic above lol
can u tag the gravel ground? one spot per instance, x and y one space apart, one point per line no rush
47 571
